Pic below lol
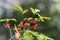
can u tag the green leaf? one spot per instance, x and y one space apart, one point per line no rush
37 10
27 35
13 19
43 37
2 20
40 17
33 10
24 11
29 18
48 18
18 7
35 33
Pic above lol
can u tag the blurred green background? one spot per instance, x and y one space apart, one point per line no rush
50 8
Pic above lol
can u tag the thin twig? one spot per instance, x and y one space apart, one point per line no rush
10 32
12 37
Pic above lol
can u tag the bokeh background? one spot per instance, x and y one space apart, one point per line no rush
47 8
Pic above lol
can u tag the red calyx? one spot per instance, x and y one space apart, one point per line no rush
32 21
7 25
24 21
34 26
21 26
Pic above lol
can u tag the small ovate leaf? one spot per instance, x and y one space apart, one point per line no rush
19 8
29 18
37 19
37 10
33 11
40 17
48 18
25 11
